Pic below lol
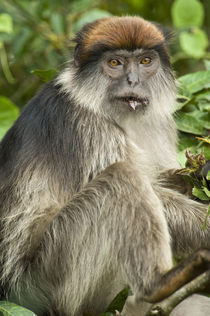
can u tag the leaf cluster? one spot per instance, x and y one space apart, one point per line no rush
188 18
192 114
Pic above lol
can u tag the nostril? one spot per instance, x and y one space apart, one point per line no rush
132 79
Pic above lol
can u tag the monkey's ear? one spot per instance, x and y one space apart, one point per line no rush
77 55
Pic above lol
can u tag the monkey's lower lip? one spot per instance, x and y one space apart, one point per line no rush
134 102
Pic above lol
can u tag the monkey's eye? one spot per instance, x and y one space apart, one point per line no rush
114 62
146 60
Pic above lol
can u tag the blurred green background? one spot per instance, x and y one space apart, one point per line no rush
36 42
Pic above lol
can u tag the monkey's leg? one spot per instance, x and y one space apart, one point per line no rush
117 230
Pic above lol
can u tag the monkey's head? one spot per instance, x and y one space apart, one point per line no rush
121 65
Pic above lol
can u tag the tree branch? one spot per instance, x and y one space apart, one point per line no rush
164 307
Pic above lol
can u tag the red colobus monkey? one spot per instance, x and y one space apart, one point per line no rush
88 199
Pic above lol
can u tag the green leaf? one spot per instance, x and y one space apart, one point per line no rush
187 13
204 106
20 41
187 141
208 175
181 102
207 192
90 16
184 92
190 108
46 75
11 309
206 149
186 122
6 24
181 158
57 22
196 81
119 300
80 6
199 194
204 119
194 43
205 222
207 64
203 96
8 114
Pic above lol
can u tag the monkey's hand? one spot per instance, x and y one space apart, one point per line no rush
197 168
172 179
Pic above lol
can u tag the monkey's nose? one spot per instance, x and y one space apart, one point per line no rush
132 79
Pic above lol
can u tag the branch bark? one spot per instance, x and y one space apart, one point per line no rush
164 307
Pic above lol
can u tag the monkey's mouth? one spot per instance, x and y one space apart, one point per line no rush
134 102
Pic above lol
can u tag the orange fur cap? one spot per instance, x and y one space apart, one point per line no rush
116 33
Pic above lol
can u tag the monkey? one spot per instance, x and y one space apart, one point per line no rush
86 200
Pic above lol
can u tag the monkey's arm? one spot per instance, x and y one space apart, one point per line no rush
173 178
170 179
185 219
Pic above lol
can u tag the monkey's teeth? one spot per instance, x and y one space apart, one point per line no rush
133 104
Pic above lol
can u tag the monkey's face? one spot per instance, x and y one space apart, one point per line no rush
122 68
130 74
137 79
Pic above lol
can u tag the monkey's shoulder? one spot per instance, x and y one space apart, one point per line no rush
51 125
43 111
39 125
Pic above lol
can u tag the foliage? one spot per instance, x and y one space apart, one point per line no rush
6 26
197 174
43 34
11 309
193 113
188 17
8 114
118 302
